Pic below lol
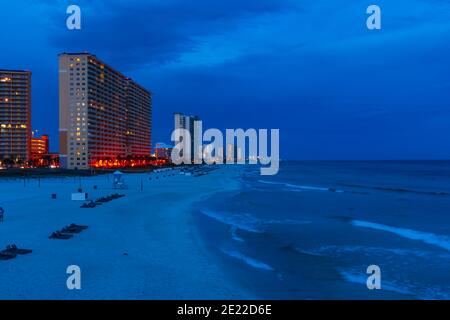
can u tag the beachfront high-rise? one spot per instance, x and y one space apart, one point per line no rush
103 115
15 115
186 122
39 146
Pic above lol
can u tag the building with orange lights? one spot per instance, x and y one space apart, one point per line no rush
163 151
15 115
39 147
103 115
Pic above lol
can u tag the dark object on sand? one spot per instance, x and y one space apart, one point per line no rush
7 256
90 204
2 214
78 226
109 198
73 228
60 236
53 195
95 187
69 229
80 190
12 249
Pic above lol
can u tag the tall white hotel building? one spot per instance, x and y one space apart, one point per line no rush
186 122
103 114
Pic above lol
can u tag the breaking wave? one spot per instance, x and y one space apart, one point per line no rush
249 261
296 187
426 237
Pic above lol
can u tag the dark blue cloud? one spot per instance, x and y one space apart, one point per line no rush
134 33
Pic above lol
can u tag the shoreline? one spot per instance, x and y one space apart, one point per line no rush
143 246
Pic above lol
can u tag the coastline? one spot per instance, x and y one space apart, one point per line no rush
143 246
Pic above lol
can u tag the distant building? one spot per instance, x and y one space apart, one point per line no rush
15 115
103 114
233 153
163 151
186 122
39 146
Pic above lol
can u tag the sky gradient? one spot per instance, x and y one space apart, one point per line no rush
335 89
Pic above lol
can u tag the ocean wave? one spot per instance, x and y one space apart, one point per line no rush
286 221
380 251
426 237
247 222
249 261
395 189
424 293
296 187
362 279
293 248
243 222
234 235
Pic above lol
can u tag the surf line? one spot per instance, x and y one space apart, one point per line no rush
200 311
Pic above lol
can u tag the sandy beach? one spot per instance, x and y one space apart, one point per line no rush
141 246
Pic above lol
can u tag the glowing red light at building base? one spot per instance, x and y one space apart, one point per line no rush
134 163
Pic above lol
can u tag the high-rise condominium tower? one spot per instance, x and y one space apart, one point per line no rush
15 115
103 114
186 122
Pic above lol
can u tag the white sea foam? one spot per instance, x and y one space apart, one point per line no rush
243 222
362 279
247 222
441 241
249 261
296 187
412 289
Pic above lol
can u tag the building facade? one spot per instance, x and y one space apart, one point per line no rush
163 151
15 116
103 114
186 122
39 146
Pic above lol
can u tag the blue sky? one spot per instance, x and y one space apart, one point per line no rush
335 89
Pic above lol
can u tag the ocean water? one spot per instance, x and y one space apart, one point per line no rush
311 231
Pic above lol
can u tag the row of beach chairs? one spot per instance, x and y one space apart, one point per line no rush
100 201
67 232
12 251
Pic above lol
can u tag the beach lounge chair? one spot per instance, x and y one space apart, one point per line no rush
7 256
69 229
60 236
90 204
78 226
12 249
